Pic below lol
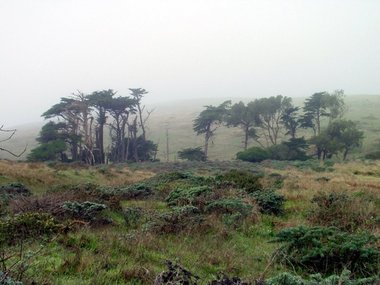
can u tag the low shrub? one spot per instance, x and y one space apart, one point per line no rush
87 211
135 191
192 154
230 206
373 155
188 196
27 225
132 216
15 189
342 211
269 201
11 191
177 220
329 250
253 154
246 180
287 278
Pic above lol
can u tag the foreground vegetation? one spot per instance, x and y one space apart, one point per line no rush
75 224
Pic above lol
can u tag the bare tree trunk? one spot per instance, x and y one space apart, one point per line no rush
246 136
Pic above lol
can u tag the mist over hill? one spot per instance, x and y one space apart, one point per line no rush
175 118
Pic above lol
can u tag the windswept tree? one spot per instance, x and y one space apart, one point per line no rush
67 112
101 103
341 136
52 145
336 105
84 118
291 121
320 105
137 94
244 117
270 113
209 120
120 109
347 133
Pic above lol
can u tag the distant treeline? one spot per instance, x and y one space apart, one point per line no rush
76 131
266 120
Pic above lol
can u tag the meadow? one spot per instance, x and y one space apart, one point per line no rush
119 224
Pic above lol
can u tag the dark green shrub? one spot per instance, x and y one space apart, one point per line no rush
246 180
230 206
192 154
87 211
373 155
269 201
135 191
294 149
12 190
253 154
27 225
344 278
132 216
186 196
329 250
179 219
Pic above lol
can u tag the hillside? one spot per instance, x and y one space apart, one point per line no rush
178 116
115 225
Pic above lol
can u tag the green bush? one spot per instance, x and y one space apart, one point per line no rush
87 211
186 196
294 149
13 190
253 154
373 155
27 225
329 250
135 191
344 278
192 154
230 206
132 216
177 220
269 201
246 180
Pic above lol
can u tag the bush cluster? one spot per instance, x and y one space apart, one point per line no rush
27 225
87 211
329 250
344 278
246 180
342 211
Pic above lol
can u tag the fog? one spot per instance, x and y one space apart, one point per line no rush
180 49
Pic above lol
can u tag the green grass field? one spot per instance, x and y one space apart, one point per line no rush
132 249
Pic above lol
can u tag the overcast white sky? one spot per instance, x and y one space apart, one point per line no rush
183 49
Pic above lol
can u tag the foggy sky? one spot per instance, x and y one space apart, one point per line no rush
180 49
